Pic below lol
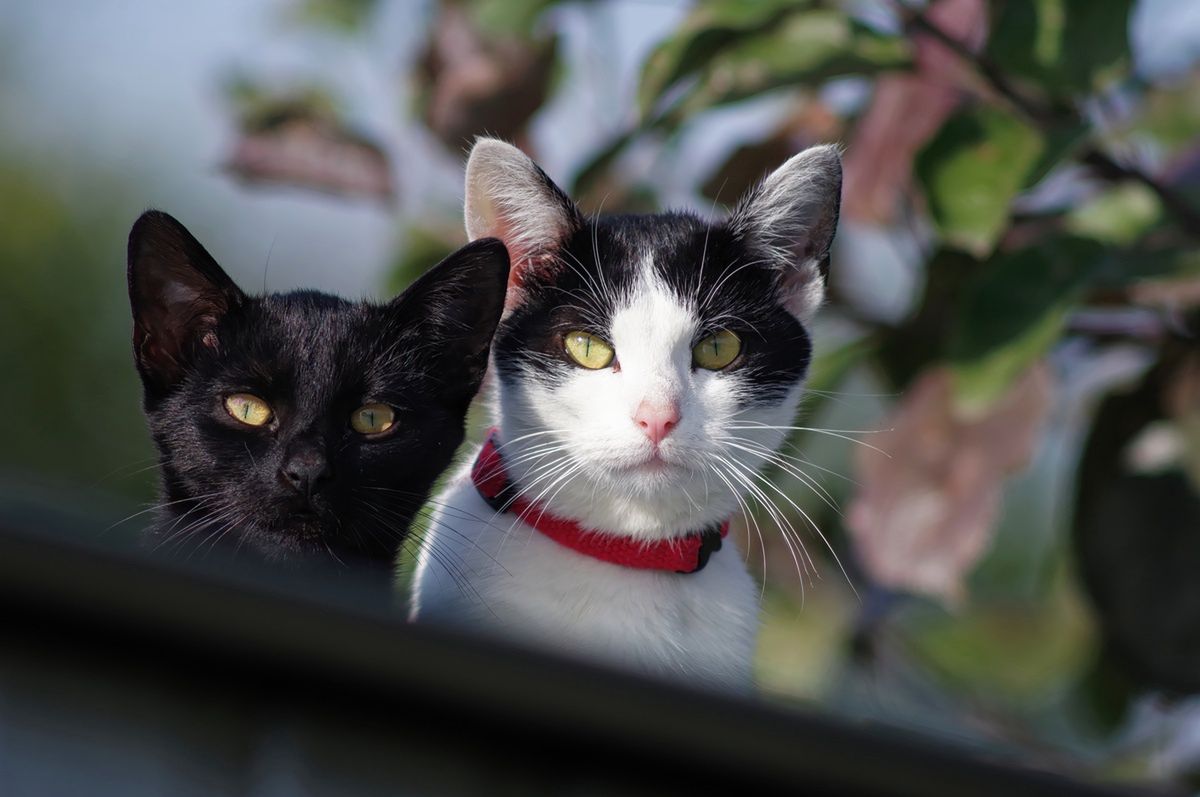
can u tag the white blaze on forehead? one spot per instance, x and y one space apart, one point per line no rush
652 335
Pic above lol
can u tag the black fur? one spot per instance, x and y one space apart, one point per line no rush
315 359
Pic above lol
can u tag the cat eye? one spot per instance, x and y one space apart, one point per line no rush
717 350
249 409
588 350
372 419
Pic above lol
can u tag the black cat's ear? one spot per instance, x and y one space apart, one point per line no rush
790 218
454 308
177 293
509 197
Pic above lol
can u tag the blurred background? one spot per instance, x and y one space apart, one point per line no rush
997 492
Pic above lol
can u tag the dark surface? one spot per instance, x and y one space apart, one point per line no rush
120 675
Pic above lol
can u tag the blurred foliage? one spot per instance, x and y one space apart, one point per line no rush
1061 47
346 15
298 137
64 331
484 71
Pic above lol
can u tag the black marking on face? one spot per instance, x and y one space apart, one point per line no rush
726 282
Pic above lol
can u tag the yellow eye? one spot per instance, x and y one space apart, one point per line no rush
717 350
250 410
588 350
372 419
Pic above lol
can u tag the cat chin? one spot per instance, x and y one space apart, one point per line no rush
287 542
643 504
298 537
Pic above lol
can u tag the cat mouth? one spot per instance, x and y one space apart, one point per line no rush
300 521
655 463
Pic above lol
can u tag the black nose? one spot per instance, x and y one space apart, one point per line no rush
304 470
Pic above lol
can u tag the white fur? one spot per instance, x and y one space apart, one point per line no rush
496 573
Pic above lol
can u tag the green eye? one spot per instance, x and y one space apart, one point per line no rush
588 350
717 350
372 419
250 410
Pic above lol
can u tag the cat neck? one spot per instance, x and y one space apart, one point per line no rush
640 509
679 554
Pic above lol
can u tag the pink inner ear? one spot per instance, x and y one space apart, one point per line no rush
802 291
521 272
526 261
516 257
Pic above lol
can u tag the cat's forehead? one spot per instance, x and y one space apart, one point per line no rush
651 318
614 260
630 246
306 342
309 323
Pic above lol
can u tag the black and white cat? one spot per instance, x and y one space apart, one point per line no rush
646 368
302 428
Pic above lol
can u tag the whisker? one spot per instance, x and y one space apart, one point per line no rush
842 434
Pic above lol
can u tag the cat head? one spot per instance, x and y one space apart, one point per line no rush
649 365
301 425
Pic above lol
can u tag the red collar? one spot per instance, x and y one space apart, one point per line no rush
678 555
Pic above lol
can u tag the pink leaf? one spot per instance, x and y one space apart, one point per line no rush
925 516
314 153
906 111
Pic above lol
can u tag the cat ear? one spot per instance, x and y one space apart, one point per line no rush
455 307
178 294
509 197
791 218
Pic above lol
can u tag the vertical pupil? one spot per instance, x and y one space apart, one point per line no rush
245 410
587 347
370 416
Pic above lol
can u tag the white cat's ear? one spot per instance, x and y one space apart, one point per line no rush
790 218
509 197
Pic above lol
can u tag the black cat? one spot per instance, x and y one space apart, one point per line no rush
300 427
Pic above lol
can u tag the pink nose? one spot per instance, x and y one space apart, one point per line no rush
656 420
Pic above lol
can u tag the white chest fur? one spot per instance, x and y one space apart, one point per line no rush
496 574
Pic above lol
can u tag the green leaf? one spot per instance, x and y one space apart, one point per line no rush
1095 42
972 170
1170 115
1064 140
1017 307
831 366
1125 266
600 162
1120 215
506 17
347 16
710 27
804 48
1068 46
1015 311
424 245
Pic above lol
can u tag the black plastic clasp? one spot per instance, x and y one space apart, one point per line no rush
710 543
